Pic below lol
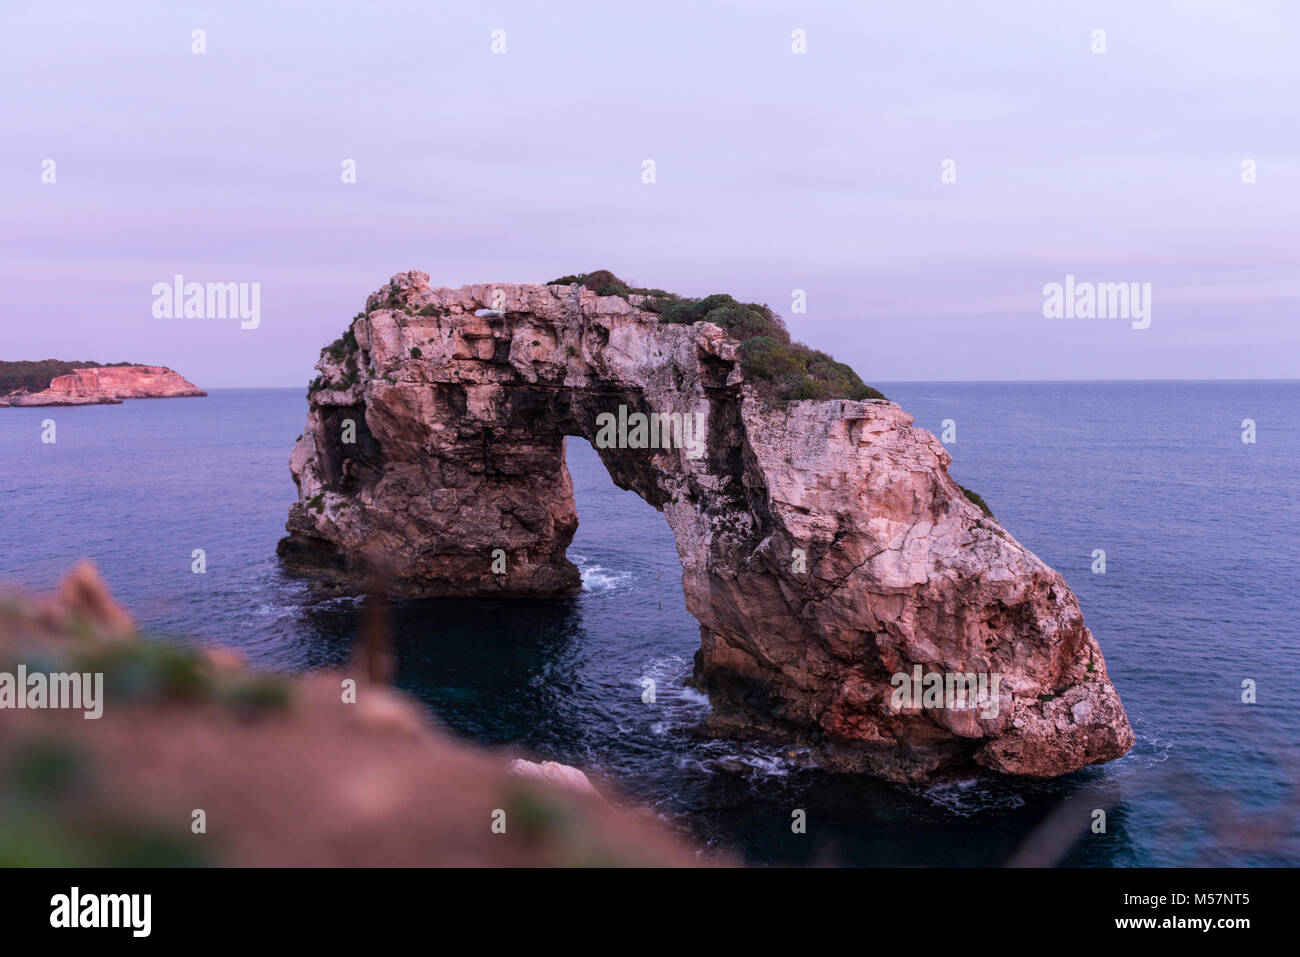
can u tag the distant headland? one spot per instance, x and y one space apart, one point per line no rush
59 382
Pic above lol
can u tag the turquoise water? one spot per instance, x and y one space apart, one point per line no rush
1199 593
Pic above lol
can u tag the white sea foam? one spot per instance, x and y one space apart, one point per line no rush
968 797
681 708
752 760
596 579
677 705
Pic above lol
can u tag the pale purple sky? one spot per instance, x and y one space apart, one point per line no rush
775 171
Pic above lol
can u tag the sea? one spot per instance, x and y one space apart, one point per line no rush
1196 608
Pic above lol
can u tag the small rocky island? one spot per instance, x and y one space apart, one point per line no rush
825 549
88 383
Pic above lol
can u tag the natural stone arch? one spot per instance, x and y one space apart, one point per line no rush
824 546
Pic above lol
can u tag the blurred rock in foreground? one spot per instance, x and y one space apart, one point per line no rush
283 771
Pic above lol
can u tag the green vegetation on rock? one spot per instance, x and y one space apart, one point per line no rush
978 500
344 345
770 360
604 283
343 349
36 375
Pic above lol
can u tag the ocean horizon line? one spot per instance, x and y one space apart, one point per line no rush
253 388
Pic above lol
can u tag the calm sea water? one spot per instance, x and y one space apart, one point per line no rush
1199 593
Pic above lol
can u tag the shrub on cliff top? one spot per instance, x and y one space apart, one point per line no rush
791 370
604 283
768 357
770 360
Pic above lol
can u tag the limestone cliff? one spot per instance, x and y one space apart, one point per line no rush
825 549
109 385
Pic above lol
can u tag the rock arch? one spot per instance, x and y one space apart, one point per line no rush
824 547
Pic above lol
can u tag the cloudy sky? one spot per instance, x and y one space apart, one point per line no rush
775 171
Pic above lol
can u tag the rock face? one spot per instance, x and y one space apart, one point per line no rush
824 547
561 775
109 385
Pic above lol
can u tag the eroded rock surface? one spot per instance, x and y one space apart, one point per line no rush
824 546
